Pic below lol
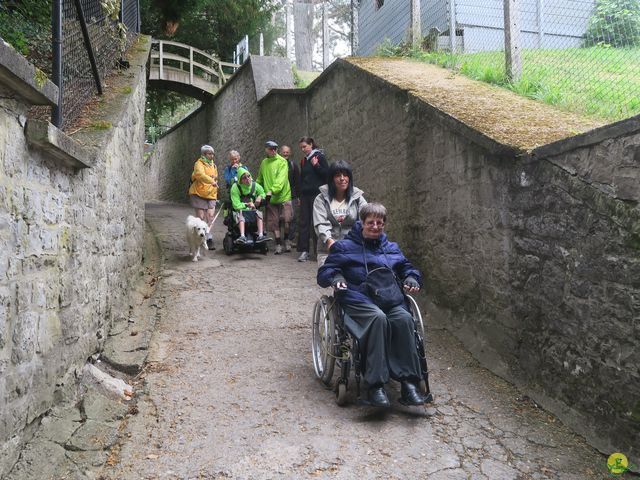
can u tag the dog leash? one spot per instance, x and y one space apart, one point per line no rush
216 217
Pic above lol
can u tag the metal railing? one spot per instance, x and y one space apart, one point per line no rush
177 62
89 38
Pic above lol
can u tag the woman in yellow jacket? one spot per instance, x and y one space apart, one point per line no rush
203 192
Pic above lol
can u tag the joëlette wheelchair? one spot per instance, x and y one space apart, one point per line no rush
333 344
233 232
250 227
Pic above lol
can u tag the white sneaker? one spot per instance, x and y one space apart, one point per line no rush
304 256
278 250
287 246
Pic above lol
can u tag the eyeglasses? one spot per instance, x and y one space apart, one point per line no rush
374 223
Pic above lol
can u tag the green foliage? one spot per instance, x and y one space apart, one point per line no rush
298 81
614 23
215 26
388 49
597 81
40 78
164 109
101 125
26 25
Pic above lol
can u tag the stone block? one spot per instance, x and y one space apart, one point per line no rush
22 77
101 408
93 436
24 337
59 427
49 332
36 454
57 145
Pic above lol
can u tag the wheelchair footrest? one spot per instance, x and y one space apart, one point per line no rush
427 399
366 403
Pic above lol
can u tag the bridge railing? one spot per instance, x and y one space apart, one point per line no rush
194 64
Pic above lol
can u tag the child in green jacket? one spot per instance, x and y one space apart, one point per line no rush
246 196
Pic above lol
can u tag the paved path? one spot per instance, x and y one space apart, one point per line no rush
230 391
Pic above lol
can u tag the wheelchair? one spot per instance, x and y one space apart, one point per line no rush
334 345
233 232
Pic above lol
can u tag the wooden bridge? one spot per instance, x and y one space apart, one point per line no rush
184 69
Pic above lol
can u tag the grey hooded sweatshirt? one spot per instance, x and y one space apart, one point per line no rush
326 225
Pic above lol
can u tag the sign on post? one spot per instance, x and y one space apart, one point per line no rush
242 50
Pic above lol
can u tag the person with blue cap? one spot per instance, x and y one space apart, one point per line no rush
274 178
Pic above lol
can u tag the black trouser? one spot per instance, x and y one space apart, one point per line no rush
387 342
305 224
293 224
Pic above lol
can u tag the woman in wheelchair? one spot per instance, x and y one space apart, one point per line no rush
246 196
365 271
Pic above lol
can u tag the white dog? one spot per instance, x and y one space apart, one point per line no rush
197 231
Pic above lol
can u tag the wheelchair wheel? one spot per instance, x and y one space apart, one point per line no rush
423 386
419 326
227 244
341 394
323 343
417 316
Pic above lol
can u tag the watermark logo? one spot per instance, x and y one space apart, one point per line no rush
617 463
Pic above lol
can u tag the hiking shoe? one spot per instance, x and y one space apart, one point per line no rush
304 256
278 250
241 240
287 245
210 245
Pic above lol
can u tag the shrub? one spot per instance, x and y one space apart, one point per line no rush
26 25
614 23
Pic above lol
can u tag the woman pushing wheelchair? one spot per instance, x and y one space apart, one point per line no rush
366 271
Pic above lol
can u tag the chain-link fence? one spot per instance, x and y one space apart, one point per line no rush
95 33
583 55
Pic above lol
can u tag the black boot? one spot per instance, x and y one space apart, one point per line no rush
410 395
210 245
378 397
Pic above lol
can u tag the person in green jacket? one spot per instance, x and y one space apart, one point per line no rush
246 196
274 177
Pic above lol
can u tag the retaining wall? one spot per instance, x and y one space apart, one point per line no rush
531 258
71 245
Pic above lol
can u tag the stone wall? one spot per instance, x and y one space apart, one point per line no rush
530 259
170 180
71 248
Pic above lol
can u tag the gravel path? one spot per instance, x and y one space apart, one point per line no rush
230 392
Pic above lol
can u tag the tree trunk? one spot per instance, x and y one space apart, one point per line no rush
355 5
289 36
325 36
303 29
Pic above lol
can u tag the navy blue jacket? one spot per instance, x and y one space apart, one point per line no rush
346 259
311 178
